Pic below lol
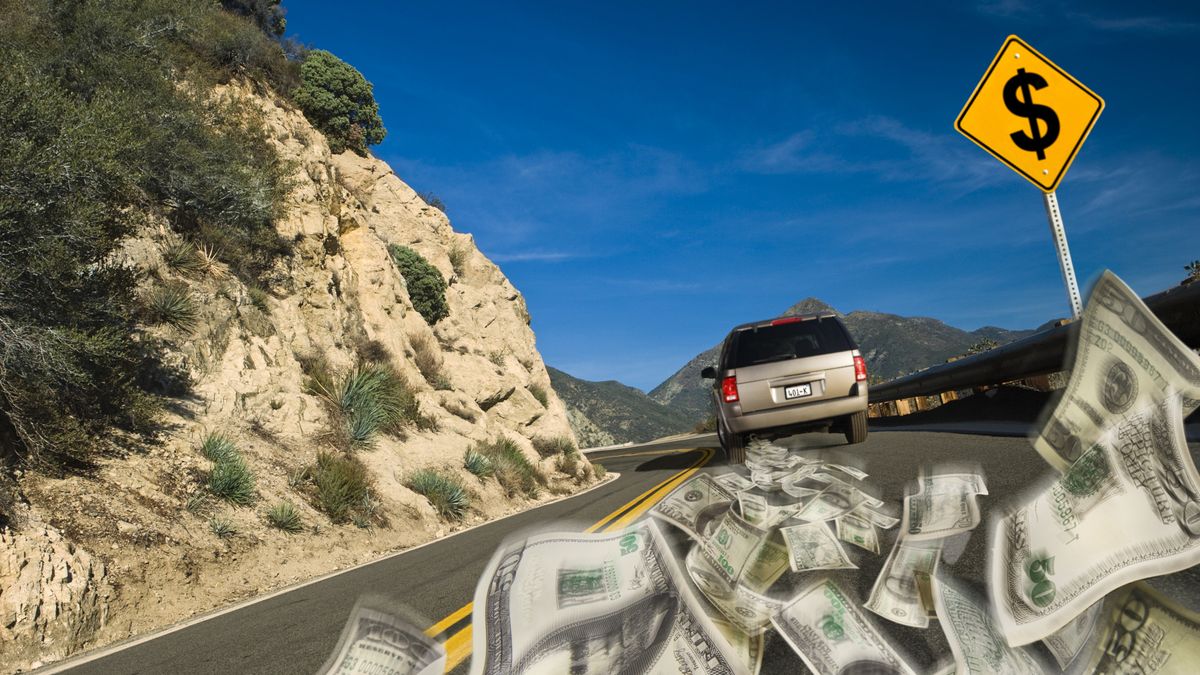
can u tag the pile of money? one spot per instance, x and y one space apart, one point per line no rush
380 637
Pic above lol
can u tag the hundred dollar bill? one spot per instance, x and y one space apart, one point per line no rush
377 639
1066 642
896 595
747 609
749 648
978 646
593 603
733 482
765 509
935 512
1142 631
1125 360
693 504
811 546
849 470
1125 510
741 552
835 500
877 517
828 478
833 635
855 529
943 483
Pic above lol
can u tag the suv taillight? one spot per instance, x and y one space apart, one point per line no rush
860 369
729 389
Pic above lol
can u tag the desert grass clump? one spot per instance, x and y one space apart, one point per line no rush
318 376
232 480
458 259
568 463
374 398
217 447
497 357
477 463
511 468
259 298
599 471
539 392
172 305
181 256
444 491
554 445
341 486
427 357
283 516
222 527
460 410
372 351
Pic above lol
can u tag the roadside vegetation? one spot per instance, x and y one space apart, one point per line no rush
510 467
340 486
426 286
230 478
443 489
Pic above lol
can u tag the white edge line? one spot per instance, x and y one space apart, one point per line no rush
87 657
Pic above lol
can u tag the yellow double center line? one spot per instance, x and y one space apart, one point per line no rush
458 645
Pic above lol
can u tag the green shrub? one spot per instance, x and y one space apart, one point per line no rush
477 463
222 527
375 398
555 445
600 471
218 448
232 480
172 305
426 286
266 14
342 486
339 101
443 490
283 516
539 392
259 297
515 473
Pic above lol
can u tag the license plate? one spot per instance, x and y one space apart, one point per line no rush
797 391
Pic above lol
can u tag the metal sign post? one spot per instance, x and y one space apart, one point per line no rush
1059 232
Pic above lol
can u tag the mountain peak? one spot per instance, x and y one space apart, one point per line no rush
810 306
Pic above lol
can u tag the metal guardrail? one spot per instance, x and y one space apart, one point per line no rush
1045 352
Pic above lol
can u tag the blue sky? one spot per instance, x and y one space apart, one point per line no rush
650 173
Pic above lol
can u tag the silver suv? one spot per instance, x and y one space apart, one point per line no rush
797 373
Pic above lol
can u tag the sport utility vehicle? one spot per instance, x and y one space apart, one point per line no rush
797 373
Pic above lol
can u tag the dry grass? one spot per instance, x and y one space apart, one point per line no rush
427 357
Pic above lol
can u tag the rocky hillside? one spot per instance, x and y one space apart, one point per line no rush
147 537
893 345
607 413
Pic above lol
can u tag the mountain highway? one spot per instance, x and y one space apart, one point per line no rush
295 630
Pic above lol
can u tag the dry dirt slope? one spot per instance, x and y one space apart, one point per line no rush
117 552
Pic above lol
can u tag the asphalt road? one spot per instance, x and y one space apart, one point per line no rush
294 632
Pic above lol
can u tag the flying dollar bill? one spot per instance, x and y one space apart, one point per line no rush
878 516
749 648
749 610
1125 360
854 529
834 501
1066 642
693 504
896 595
977 644
593 603
766 508
811 546
378 638
829 631
733 482
940 509
1127 509
1142 631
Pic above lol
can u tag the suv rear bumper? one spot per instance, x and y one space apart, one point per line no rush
803 413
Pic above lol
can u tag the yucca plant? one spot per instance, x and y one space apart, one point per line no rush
232 480
283 516
222 527
172 305
217 447
477 463
443 490
373 398
182 257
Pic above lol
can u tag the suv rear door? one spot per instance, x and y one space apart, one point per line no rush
791 361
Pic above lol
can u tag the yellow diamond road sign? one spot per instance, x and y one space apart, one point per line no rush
1030 114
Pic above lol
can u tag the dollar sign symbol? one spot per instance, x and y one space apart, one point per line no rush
1024 106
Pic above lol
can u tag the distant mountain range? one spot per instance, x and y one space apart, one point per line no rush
608 413
893 345
605 413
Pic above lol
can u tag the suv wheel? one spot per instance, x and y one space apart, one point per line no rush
856 428
733 444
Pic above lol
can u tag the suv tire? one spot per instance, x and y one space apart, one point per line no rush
856 428
732 443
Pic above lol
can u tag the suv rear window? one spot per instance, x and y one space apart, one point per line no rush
767 344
